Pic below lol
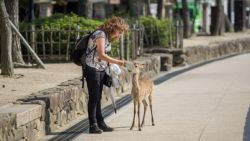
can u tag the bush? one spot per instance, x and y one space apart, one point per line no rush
160 29
61 21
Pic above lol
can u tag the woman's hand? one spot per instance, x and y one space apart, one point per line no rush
121 63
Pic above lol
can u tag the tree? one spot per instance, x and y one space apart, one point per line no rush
13 11
219 19
195 14
186 19
6 39
160 4
134 8
147 3
81 9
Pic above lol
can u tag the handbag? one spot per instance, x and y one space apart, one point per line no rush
107 79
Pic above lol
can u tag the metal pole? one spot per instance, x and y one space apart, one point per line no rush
127 47
122 46
133 49
177 34
28 46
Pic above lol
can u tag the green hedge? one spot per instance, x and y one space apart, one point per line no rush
162 36
62 21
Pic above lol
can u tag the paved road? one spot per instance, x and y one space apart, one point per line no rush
210 103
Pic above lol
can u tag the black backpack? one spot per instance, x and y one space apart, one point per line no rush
78 52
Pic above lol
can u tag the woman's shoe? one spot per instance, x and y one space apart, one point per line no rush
94 129
105 127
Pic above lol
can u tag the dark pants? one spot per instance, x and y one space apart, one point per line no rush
94 80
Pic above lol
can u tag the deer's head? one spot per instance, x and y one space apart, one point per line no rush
137 67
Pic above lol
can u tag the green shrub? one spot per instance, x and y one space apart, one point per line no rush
61 21
160 29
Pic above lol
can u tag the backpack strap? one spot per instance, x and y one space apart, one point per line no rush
83 75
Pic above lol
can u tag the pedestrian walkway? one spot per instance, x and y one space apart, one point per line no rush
30 80
210 103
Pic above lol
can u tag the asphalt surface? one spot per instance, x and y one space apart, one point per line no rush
209 103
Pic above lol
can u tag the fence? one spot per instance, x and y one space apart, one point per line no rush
53 44
170 36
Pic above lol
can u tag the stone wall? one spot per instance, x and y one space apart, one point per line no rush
196 54
191 55
58 106
21 122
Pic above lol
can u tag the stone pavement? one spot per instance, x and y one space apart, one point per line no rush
30 80
209 103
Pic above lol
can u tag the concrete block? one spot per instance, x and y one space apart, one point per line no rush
25 113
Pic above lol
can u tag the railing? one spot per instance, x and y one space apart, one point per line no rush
173 35
53 44
49 44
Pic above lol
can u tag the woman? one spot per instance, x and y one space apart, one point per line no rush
96 62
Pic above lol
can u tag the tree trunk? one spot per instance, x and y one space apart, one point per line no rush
228 25
82 8
186 19
177 12
0 48
218 19
13 11
159 8
139 8
148 12
6 38
195 15
132 8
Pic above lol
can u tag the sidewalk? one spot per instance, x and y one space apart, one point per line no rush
210 103
29 80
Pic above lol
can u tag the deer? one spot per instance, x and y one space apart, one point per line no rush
142 88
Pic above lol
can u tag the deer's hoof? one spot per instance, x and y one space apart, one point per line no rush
153 124
139 129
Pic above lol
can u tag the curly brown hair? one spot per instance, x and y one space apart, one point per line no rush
114 24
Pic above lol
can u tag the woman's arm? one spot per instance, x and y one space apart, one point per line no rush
100 42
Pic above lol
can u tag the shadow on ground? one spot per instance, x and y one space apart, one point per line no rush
246 135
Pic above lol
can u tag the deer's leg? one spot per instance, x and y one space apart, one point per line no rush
138 112
151 109
133 123
145 104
